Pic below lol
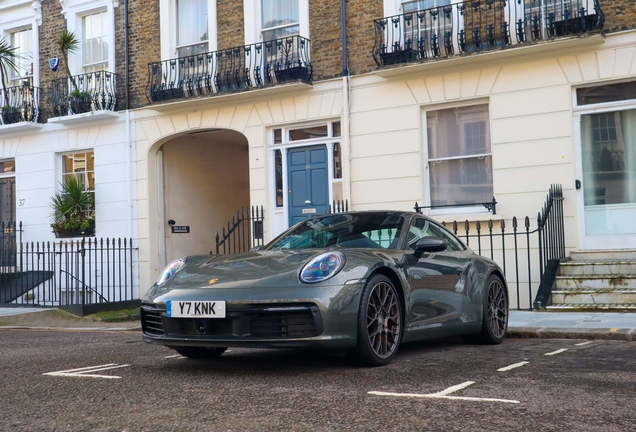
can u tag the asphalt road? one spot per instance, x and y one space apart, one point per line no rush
587 387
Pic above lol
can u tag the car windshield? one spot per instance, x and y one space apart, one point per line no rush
377 230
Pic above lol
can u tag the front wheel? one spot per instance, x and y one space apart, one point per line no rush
379 323
200 353
495 313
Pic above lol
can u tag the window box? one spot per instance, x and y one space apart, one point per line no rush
292 73
68 233
397 57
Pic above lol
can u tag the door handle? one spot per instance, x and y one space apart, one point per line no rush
307 202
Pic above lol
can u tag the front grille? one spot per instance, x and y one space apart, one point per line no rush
151 321
271 321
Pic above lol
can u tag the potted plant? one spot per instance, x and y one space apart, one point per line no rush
73 210
79 100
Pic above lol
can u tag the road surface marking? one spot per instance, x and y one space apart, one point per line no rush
173 356
512 366
444 394
559 351
583 343
614 330
88 371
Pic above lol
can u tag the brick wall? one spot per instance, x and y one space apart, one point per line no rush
619 15
326 41
360 33
53 22
145 46
230 23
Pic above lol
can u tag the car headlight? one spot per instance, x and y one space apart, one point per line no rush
170 270
322 267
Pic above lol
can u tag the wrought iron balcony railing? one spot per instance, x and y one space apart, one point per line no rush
93 91
240 68
478 26
19 104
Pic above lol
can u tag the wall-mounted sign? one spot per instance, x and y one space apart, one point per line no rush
53 63
180 229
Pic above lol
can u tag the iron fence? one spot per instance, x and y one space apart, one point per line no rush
479 25
528 250
72 274
78 94
243 232
10 236
19 104
239 68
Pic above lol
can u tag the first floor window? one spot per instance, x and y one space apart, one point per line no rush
280 18
459 156
192 27
95 42
22 41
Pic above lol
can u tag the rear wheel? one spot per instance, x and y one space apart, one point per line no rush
200 353
379 323
495 313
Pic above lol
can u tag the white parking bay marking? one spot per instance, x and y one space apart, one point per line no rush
559 351
173 356
88 371
583 343
444 394
512 366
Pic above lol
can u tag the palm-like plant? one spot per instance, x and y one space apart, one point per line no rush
73 207
67 43
8 58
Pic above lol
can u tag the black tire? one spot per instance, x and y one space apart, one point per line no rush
379 323
494 322
200 353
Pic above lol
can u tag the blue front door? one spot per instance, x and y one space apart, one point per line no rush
308 182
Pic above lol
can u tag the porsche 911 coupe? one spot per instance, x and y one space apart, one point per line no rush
362 282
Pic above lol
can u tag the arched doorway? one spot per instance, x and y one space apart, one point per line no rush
203 179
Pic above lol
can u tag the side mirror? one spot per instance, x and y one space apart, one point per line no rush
430 244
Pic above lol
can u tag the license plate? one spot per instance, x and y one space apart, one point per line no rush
195 309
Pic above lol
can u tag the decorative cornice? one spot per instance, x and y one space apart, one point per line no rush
37 10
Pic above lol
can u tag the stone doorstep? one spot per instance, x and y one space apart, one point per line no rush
619 254
593 297
593 282
597 267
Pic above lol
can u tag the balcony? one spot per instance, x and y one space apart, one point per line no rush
82 97
480 26
20 107
230 70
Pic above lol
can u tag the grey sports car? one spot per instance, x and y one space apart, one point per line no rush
363 282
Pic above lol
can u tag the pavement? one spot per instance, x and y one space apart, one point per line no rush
521 324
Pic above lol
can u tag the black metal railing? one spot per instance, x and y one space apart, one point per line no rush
10 237
243 232
491 206
479 25
83 93
240 68
551 244
71 274
19 104
526 254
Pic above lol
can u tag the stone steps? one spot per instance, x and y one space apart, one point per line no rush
596 281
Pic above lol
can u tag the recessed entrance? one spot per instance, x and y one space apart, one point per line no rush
205 178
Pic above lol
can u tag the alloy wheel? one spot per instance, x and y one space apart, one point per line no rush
497 308
383 320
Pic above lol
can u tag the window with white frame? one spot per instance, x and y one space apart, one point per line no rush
459 156
95 42
192 27
22 41
279 18
7 191
80 165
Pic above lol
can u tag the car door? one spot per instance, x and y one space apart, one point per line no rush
437 280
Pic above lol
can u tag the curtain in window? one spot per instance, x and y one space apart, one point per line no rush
280 18
192 27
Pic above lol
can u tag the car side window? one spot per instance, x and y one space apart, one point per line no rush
421 228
